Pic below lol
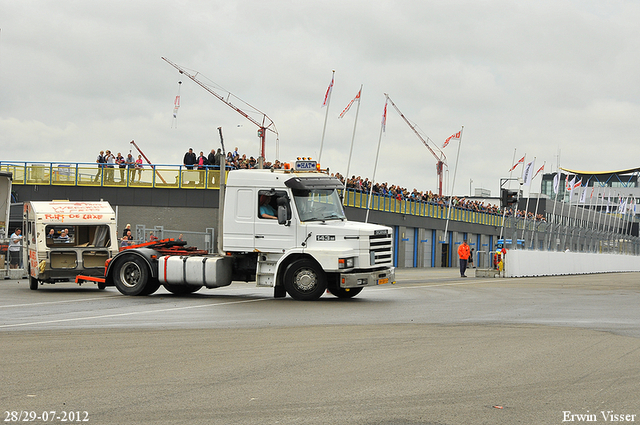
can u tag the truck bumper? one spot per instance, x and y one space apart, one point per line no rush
356 280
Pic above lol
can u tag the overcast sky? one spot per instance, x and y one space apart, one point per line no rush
539 78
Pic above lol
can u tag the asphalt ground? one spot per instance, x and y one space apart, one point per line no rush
432 349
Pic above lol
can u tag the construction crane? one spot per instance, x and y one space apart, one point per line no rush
441 159
263 122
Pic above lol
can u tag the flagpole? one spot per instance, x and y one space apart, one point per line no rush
600 214
583 199
526 207
605 224
618 219
623 223
596 223
446 226
535 215
627 229
566 186
353 137
575 216
326 115
375 165
589 224
555 201
614 226
608 219
569 226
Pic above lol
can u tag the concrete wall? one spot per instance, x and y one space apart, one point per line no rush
521 263
172 218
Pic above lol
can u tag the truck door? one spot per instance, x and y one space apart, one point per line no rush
269 235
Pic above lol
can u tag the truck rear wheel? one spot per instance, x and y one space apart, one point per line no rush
33 283
152 286
181 289
304 280
130 275
344 292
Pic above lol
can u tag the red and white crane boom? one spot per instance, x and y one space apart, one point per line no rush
148 161
441 159
263 122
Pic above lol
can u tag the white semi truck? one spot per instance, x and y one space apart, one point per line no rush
307 248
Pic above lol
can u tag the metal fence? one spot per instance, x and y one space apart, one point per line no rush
577 237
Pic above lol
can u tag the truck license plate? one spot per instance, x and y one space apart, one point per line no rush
383 281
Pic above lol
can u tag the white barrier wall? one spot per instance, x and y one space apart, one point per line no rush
521 263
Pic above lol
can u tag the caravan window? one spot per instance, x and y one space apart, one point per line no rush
93 236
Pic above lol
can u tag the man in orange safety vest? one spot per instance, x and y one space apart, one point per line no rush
463 253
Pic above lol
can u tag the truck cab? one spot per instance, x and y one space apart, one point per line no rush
65 239
311 246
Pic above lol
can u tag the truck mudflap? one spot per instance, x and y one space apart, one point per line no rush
357 280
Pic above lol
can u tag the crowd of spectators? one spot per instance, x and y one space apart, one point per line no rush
233 160
359 184
236 161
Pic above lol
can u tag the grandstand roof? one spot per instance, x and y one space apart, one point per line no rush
602 173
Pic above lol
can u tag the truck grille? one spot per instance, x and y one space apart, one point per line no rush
380 249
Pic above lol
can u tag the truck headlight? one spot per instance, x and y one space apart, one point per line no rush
346 263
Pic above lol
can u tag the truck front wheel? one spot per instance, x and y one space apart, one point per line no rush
304 280
344 292
33 283
130 275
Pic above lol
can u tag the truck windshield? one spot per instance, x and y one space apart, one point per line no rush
318 205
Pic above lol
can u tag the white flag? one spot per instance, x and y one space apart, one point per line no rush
583 197
556 182
527 174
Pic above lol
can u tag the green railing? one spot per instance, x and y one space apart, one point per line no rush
81 174
422 209
179 177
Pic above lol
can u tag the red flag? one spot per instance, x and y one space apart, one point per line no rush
176 105
384 117
577 184
517 163
455 136
326 96
540 169
350 103
573 184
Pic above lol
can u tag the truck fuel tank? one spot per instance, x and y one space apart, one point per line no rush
210 271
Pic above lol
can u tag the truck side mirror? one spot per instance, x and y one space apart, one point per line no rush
282 214
284 211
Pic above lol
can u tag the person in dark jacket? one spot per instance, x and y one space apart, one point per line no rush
189 159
